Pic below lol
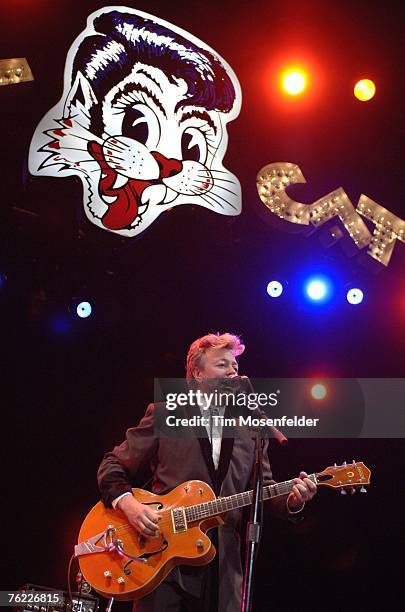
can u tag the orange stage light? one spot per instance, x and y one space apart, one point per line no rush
364 90
294 81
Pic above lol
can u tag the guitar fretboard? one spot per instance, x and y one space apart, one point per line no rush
239 500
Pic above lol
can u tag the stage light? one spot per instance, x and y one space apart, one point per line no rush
274 289
364 90
318 289
3 280
294 82
354 296
83 310
318 391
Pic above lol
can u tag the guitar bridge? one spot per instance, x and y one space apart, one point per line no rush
179 520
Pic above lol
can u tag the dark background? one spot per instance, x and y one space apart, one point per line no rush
71 387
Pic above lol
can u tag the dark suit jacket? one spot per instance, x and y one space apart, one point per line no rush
175 459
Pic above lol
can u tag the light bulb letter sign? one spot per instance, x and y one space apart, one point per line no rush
273 180
388 229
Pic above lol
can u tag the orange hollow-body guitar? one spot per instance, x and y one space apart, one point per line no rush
119 563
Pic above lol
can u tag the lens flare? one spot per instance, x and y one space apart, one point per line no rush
318 391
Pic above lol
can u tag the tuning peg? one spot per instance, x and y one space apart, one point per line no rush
335 465
352 491
363 489
343 491
354 463
344 463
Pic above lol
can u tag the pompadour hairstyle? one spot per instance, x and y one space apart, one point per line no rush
124 39
201 345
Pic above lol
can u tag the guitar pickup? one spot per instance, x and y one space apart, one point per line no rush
179 520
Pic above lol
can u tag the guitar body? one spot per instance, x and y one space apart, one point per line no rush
113 575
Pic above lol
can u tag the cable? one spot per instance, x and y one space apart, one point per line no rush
69 588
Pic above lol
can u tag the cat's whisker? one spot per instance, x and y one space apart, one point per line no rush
215 185
216 197
85 161
207 200
73 149
197 182
115 137
214 170
219 179
73 135
215 201
114 158
114 148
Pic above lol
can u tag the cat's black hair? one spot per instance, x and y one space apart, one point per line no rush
124 39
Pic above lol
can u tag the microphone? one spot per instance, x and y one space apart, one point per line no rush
276 433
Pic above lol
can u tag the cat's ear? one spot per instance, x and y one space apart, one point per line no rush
80 100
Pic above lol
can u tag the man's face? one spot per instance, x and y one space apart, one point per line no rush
216 363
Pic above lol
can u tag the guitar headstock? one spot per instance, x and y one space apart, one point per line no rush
347 475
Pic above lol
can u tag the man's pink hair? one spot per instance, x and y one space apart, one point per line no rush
201 345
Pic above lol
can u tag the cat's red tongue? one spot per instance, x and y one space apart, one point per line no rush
124 210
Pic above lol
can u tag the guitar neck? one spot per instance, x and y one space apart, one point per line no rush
239 500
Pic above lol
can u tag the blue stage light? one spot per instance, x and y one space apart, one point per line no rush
84 310
318 289
60 324
274 289
3 279
355 296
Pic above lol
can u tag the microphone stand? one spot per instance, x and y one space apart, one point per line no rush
255 526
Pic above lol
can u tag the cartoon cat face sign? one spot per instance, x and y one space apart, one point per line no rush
142 121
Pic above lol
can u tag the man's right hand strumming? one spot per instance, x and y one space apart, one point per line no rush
141 517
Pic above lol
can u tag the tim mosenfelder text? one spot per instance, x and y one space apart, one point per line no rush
249 421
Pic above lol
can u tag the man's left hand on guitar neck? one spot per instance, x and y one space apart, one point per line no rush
303 490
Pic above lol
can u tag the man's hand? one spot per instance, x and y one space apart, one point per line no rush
141 517
303 490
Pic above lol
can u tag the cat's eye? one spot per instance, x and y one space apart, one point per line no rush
141 124
193 145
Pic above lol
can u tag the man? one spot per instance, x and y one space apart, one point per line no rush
225 464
